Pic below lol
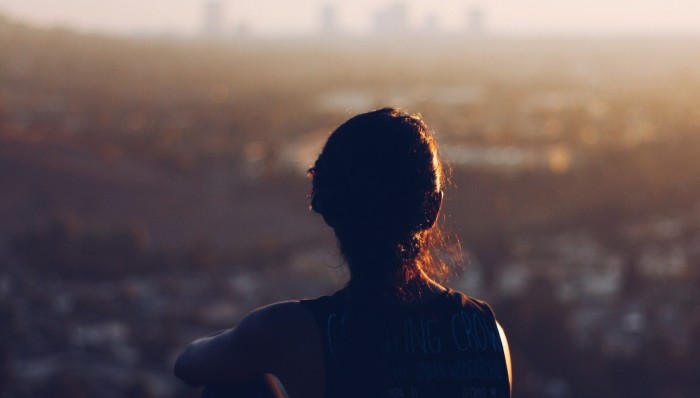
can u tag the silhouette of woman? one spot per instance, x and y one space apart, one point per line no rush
393 331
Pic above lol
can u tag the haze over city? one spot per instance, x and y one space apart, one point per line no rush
154 157
303 17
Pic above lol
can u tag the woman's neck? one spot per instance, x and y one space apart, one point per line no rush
420 289
424 289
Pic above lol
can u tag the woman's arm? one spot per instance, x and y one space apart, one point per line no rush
217 359
280 339
265 386
506 352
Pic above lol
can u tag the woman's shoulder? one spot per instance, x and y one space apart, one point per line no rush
265 341
467 302
289 316
284 336
281 316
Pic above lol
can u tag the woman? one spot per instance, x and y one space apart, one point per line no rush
393 331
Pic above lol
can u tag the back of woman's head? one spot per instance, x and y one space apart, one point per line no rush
378 184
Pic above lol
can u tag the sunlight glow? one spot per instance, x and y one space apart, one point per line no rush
281 17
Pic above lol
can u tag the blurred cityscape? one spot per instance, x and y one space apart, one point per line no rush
155 191
392 19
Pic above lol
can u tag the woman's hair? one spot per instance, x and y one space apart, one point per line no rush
378 183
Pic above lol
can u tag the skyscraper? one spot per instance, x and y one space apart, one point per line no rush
329 19
213 18
391 20
475 20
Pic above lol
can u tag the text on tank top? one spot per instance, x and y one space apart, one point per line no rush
448 347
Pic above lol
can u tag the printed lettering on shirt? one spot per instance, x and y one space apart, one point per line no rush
400 392
335 332
472 332
471 392
469 332
421 334
446 370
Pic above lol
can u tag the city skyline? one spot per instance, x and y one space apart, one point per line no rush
304 17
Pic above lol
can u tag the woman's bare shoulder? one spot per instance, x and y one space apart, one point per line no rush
283 326
279 319
288 343
271 339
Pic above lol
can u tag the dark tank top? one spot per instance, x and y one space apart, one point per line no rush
447 347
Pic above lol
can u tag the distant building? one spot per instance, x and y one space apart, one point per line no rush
475 20
329 19
432 24
213 19
391 20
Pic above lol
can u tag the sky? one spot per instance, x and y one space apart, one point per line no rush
286 17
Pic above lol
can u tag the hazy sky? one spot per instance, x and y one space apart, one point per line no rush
302 16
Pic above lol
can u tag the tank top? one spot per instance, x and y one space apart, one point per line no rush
447 347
